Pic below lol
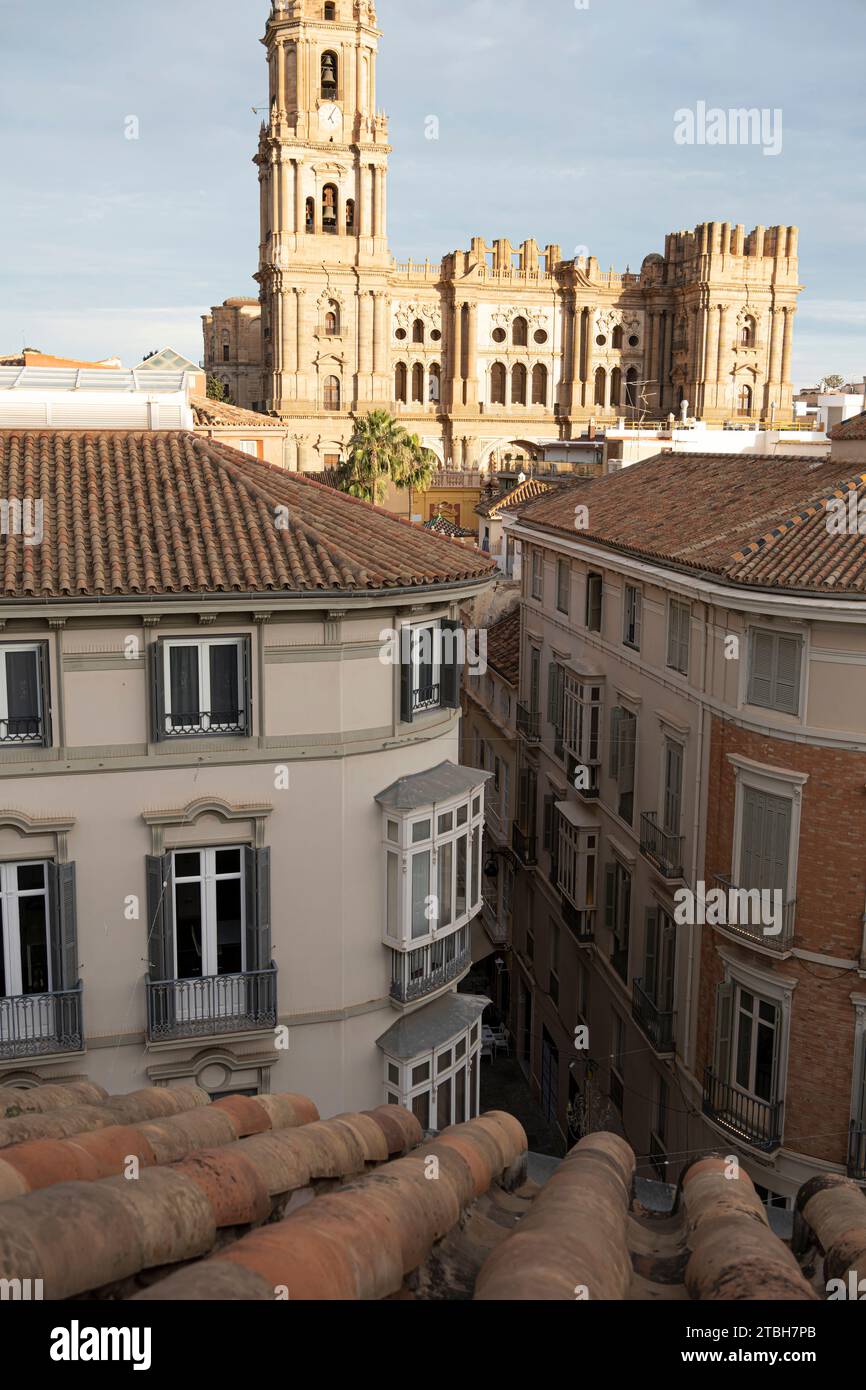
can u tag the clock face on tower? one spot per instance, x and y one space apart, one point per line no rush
330 120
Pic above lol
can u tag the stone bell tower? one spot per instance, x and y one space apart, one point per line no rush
323 254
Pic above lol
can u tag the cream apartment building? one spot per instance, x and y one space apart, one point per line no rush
236 844
693 687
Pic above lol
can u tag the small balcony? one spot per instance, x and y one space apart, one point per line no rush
416 974
752 1121
195 723
524 846
21 729
497 931
38 1025
857 1152
529 723
425 697
663 850
211 1004
739 905
657 1024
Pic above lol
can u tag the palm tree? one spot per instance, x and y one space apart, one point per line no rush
375 456
416 467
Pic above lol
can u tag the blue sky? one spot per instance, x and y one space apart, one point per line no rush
555 122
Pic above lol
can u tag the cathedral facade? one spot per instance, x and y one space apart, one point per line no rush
494 345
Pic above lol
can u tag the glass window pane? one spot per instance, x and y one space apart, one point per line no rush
393 831
421 1109
30 876
460 1096
446 861
187 865
460 1049
476 866
420 831
476 806
224 703
446 822
744 1051
183 685
460 903
34 945
420 893
22 691
443 1061
187 914
393 895
420 1073
393 1074
229 935
227 861
4 989
462 815
443 1105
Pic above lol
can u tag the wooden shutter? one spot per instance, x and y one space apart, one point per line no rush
45 693
246 712
667 963
637 598
651 952
685 637
452 670
552 693
523 799
766 839
617 715
673 787
761 670
407 712
673 630
724 1012
63 925
628 744
156 682
547 830
160 952
257 884
786 695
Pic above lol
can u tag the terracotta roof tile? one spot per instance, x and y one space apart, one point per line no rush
169 512
855 428
751 519
515 496
211 414
503 646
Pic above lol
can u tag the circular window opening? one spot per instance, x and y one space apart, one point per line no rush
436 335
499 335
633 340
401 334
601 340
540 336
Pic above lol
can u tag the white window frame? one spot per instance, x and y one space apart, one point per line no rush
433 844
858 1078
536 583
679 644
203 646
433 627
407 1091
10 932
774 988
247 446
632 616
795 634
563 590
774 782
591 577
35 649
208 878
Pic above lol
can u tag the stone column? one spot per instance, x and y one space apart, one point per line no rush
377 201
650 354
711 354
379 333
281 77
300 210
472 355
787 347
301 314
776 330
276 201
317 209
383 200
290 332
287 200
365 332
664 330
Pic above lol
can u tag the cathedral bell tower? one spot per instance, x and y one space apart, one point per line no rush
323 253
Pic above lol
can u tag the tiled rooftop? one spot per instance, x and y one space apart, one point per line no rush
213 414
748 519
246 1197
169 512
503 646
855 428
443 527
515 496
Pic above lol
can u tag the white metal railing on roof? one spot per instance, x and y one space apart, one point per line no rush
110 380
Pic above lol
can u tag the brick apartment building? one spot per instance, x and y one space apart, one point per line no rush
692 722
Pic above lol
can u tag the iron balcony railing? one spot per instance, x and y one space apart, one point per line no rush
748 903
33 1025
857 1152
524 846
496 930
415 974
425 697
657 1024
21 729
661 848
211 1004
187 723
529 723
754 1121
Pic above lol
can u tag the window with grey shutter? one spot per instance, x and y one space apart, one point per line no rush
673 787
651 953
775 661
452 669
722 1049
631 622
593 602
257 885
555 694
160 946
766 841
626 764
563 585
64 929
679 636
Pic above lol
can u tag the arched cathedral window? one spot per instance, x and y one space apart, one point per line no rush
350 214
539 384
418 383
520 332
332 393
600 384
631 387
744 401
332 319
400 382
617 337
518 384
330 12
435 382
497 384
310 217
329 208
747 332
417 331
615 386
